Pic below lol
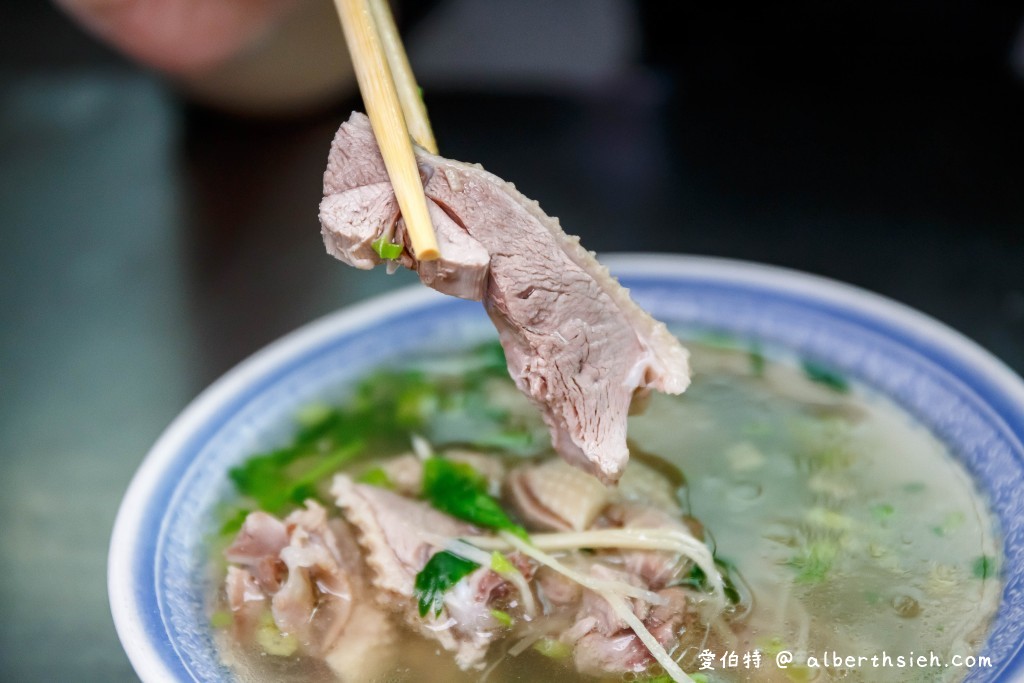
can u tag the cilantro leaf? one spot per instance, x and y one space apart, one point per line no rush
756 361
698 580
385 408
983 567
288 476
459 490
822 375
491 357
441 572
233 521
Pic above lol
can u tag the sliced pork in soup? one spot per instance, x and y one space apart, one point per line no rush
425 531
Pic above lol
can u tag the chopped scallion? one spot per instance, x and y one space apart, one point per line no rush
503 618
500 563
553 648
882 512
221 619
376 476
950 523
386 250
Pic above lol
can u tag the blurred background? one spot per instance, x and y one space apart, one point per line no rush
157 230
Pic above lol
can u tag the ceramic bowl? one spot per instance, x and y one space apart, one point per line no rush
966 397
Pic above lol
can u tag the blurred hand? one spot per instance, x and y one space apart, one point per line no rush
179 36
247 56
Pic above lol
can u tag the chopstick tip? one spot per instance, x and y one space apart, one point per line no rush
428 254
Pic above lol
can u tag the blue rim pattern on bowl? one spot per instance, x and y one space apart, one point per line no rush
962 394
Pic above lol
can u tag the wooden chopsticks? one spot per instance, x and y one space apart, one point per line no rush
394 107
401 71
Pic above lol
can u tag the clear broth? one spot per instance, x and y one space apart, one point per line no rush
852 528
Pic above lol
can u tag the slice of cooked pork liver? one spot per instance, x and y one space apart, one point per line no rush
575 342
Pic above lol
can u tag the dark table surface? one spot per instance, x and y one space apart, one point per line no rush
150 245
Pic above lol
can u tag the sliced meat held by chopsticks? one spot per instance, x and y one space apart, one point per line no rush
575 342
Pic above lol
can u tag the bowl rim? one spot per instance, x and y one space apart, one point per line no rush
1004 391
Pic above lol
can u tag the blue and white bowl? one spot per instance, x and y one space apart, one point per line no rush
965 396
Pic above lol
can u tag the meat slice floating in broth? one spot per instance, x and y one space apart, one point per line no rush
603 644
307 570
395 533
462 561
575 342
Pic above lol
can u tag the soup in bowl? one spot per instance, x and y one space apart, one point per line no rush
836 496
